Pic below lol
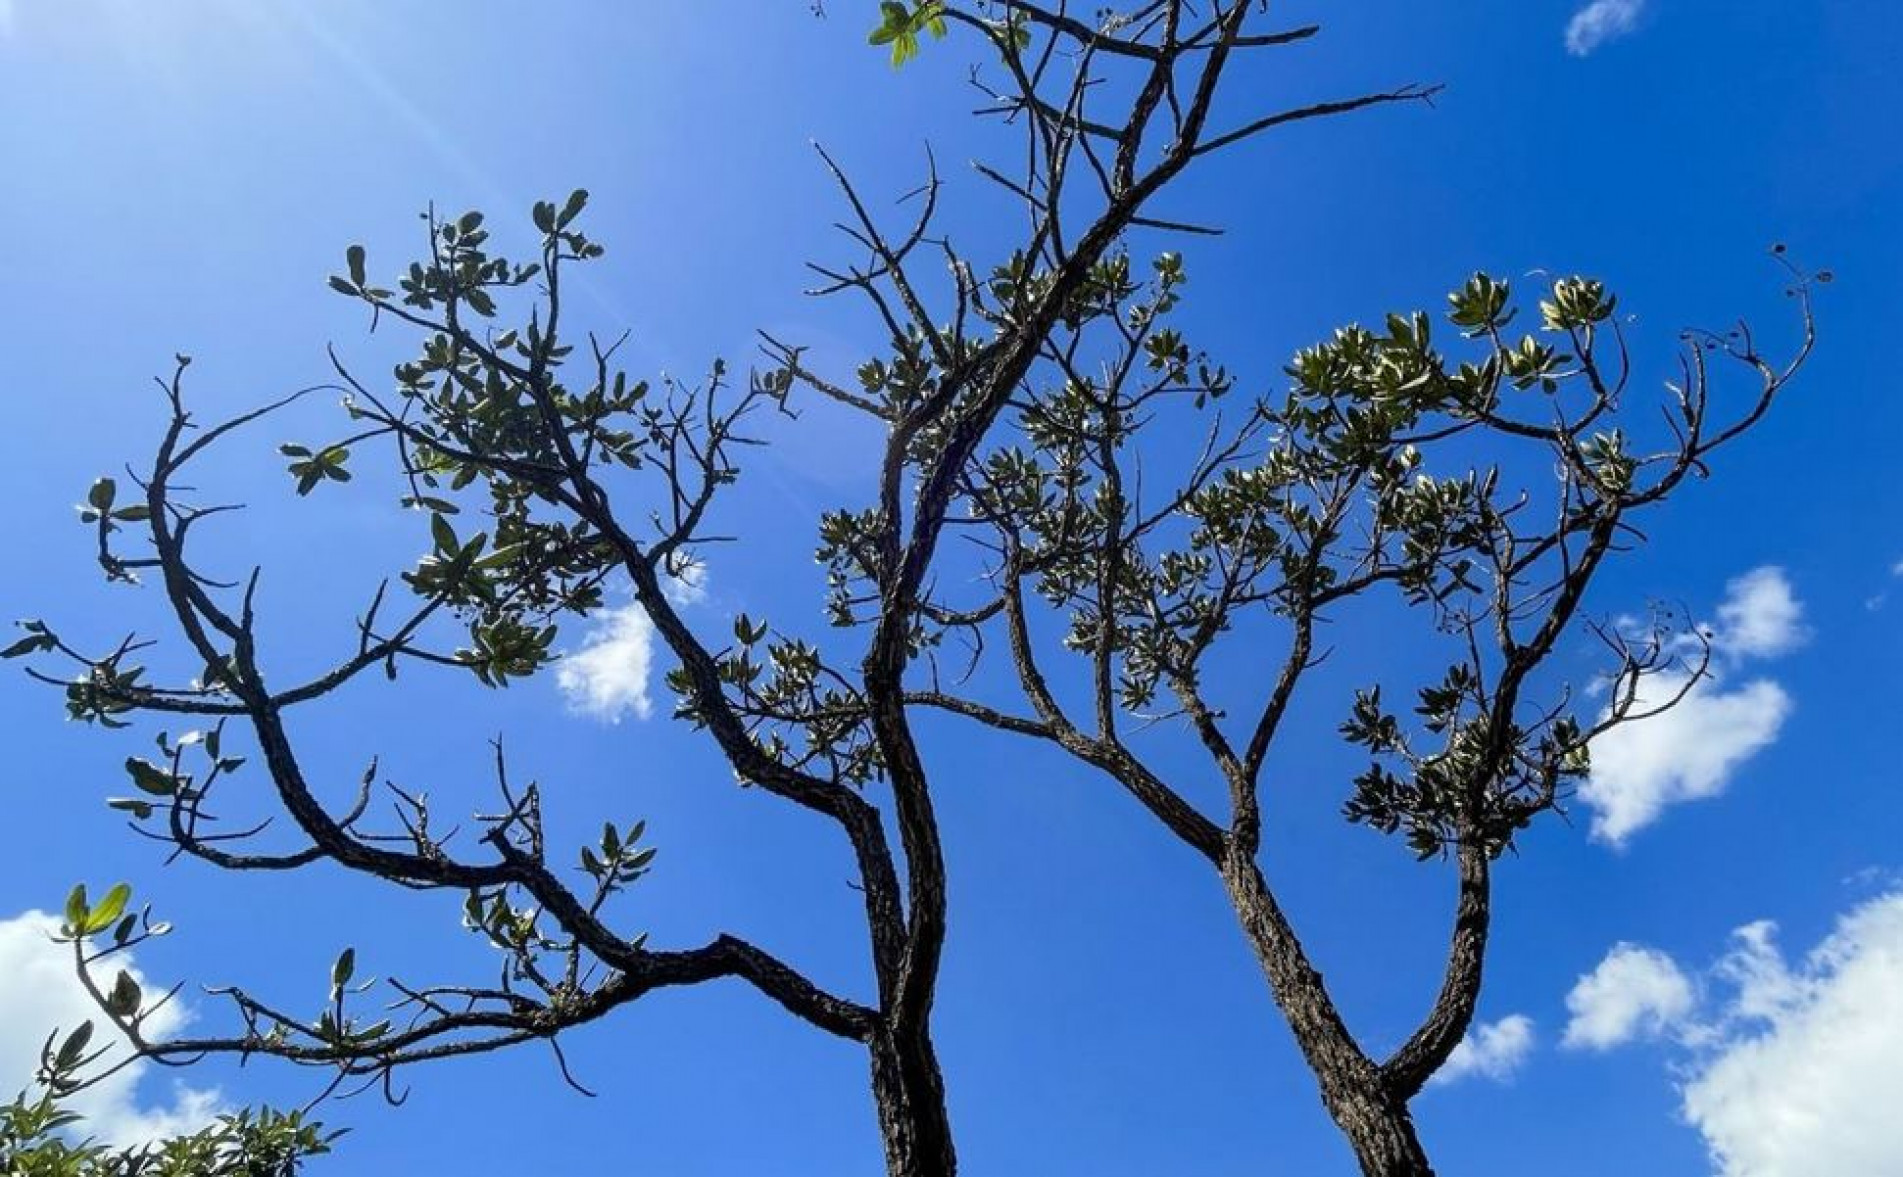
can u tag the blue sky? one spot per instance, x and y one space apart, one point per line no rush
182 176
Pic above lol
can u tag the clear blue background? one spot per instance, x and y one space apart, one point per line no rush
182 176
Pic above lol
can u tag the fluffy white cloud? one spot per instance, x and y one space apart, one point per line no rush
39 994
1802 1075
1635 991
1692 750
1685 754
608 677
1760 616
1493 1050
1794 1071
1601 21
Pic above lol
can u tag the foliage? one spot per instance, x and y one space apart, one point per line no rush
900 26
42 1136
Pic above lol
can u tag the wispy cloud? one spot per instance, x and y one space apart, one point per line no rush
1602 21
1492 1050
1692 750
40 994
686 582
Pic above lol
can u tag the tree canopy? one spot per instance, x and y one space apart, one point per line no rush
1470 470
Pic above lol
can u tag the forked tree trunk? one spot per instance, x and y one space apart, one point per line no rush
1381 1131
910 1093
1377 1124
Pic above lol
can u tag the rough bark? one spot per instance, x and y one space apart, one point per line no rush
910 1094
1372 1116
1381 1131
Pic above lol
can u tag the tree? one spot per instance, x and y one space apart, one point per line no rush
1484 495
552 442
1011 394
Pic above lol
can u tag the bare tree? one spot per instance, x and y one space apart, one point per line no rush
587 478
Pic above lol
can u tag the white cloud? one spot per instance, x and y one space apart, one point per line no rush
608 677
1494 1050
1692 750
1602 21
40 994
1794 1073
1635 991
1685 754
1760 616
1803 1076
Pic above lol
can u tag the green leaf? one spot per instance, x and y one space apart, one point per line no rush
500 558
342 286
346 966
76 907
109 910
443 534
101 495
150 778
426 502
27 645
137 807
577 200
73 1049
354 257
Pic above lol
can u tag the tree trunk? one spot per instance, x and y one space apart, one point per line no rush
1377 1124
1381 1131
910 1093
